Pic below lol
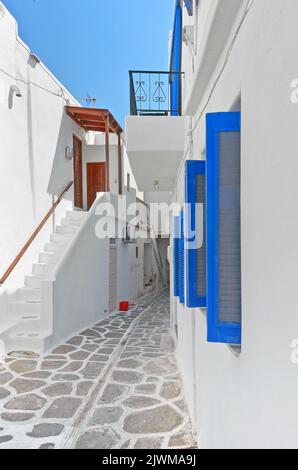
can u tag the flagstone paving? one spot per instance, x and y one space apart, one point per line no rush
115 385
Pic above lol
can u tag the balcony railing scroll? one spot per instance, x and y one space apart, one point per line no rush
155 93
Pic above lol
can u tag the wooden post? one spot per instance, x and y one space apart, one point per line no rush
107 135
120 164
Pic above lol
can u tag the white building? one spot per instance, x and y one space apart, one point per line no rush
217 132
58 160
233 120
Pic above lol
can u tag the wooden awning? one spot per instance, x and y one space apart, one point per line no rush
97 120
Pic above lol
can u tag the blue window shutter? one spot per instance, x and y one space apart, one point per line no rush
223 228
182 260
176 250
175 66
189 6
195 255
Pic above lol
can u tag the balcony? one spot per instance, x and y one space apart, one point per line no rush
155 93
155 131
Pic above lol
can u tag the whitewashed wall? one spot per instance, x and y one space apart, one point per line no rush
34 134
250 400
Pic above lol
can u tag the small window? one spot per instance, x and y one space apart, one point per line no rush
224 227
195 236
137 252
128 181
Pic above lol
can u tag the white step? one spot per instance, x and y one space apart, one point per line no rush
66 229
71 222
26 308
27 324
34 282
29 295
55 247
61 237
26 341
43 268
52 258
76 215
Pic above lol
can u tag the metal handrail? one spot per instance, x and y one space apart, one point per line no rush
34 235
155 92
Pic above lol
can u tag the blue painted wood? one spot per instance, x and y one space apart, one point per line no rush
182 261
176 54
218 331
189 6
176 250
193 168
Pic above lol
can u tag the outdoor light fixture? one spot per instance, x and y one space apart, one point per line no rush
156 185
14 90
34 58
68 153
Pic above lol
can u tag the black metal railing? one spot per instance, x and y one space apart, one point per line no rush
155 93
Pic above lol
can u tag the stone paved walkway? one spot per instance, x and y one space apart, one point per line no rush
113 386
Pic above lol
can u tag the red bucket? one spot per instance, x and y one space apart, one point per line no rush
124 306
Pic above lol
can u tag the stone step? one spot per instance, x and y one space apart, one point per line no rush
26 341
66 229
34 282
50 258
43 268
61 237
55 247
76 215
29 295
26 308
66 222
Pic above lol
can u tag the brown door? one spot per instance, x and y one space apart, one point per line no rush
78 172
96 173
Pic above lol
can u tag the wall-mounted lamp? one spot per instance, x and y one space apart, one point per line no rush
14 90
156 185
68 153
34 58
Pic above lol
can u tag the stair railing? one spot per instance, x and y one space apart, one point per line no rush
34 235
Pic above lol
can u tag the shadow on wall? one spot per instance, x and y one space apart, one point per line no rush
62 168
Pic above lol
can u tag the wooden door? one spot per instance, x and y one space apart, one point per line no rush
96 173
78 172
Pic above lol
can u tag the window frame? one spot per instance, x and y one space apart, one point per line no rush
176 62
181 259
218 332
193 168
189 6
176 256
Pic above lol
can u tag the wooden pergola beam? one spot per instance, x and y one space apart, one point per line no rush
87 117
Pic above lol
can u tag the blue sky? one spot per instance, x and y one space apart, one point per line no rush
91 44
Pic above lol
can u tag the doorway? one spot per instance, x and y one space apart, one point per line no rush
78 172
96 174
148 265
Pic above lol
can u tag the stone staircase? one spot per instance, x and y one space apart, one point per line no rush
27 331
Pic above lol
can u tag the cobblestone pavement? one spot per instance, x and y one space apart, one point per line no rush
113 386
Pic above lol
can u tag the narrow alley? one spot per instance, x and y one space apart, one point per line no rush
113 386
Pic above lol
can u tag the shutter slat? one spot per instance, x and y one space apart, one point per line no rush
224 227
176 250
182 260
229 268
